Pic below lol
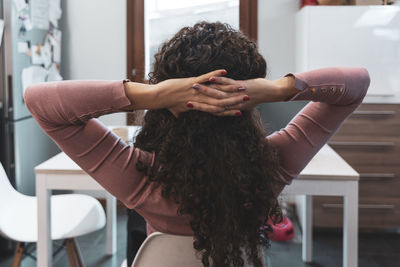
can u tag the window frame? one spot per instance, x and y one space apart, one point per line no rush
135 66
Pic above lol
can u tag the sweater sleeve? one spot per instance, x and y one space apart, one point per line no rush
67 112
334 92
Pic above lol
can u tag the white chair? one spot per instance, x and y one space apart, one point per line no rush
72 215
167 250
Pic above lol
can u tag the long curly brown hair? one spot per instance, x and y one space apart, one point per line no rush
219 169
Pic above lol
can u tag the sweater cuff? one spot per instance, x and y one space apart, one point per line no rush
302 86
120 98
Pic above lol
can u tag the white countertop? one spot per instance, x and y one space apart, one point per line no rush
326 164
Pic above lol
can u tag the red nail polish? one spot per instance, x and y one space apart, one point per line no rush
246 98
212 79
238 113
223 72
189 105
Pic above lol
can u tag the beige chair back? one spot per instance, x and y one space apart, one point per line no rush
165 250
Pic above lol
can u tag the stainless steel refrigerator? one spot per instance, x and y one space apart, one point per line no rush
23 143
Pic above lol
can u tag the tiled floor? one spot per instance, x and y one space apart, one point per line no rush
375 250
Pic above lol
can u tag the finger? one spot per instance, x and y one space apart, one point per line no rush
231 101
218 111
242 106
223 80
205 107
210 91
227 88
236 112
205 77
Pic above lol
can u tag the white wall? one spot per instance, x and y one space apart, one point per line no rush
276 35
94 43
277 43
94 46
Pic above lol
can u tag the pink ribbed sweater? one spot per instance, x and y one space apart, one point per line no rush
67 112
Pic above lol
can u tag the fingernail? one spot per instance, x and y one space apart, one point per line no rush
212 79
241 89
223 72
246 98
238 113
196 87
189 105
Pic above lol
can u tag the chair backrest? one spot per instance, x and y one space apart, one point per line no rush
167 250
10 199
7 191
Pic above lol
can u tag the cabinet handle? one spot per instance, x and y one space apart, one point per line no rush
377 176
356 143
375 112
360 206
381 95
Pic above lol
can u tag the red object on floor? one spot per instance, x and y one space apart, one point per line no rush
283 231
309 3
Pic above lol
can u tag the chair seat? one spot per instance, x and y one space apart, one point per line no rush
167 250
72 215
161 249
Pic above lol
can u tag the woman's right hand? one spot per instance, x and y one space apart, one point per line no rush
259 90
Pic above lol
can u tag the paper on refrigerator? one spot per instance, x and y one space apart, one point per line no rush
54 12
20 5
54 74
23 47
37 58
33 75
55 40
46 54
40 14
28 24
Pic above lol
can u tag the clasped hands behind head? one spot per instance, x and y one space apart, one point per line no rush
213 93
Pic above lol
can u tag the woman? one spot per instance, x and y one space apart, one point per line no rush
202 164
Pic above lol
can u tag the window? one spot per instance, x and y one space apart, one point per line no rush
151 22
164 18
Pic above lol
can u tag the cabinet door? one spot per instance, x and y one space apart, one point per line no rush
364 36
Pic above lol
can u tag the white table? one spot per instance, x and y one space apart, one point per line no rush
329 175
61 173
326 174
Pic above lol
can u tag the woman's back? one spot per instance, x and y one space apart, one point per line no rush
222 174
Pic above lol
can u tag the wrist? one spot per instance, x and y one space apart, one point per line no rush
263 90
257 89
141 95
286 88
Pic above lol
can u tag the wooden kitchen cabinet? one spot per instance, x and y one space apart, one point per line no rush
369 140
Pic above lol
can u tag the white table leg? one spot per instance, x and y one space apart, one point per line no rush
350 226
307 229
111 226
44 243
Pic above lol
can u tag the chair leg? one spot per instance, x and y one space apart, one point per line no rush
71 254
78 253
74 254
18 255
